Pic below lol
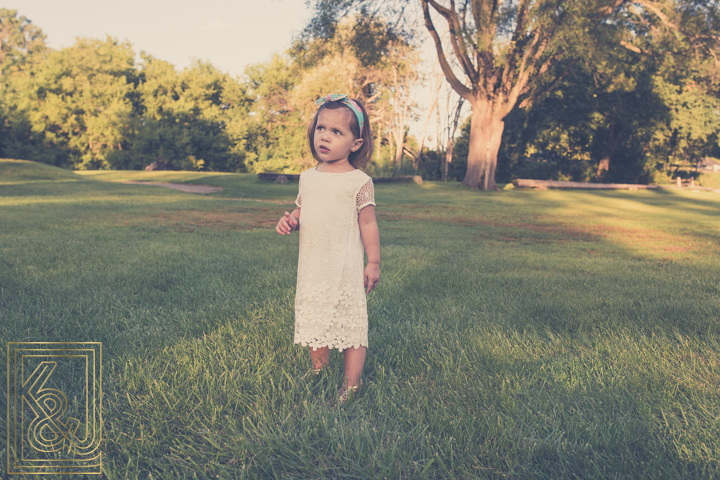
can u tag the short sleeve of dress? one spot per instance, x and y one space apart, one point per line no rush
297 200
366 195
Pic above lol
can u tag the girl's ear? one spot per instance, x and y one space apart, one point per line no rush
356 146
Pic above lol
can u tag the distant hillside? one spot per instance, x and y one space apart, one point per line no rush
13 172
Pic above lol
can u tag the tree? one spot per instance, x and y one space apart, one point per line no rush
511 54
405 76
588 129
22 47
363 59
195 119
91 106
277 134
71 108
692 130
22 44
687 82
627 118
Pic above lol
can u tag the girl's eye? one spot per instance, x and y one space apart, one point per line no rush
337 132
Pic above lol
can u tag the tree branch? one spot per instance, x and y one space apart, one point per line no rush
522 69
484 12
518 42
456 39
630 47
461 89
657 10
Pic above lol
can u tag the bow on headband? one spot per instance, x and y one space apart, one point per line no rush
341 97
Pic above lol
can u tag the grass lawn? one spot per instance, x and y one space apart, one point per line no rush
519 334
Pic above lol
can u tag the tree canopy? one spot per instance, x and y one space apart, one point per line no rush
22 44
595 90
503 55
92 105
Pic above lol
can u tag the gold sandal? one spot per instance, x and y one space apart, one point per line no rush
347 392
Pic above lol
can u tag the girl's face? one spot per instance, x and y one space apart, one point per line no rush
333 138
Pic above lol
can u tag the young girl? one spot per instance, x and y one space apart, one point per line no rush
336 210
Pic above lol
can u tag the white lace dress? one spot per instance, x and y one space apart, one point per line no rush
330 308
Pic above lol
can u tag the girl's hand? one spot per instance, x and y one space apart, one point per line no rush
286 224
372 276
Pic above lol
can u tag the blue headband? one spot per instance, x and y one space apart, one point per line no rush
341 97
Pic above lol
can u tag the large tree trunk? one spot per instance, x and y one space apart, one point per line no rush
486 129
604 165
613 141
399 144
448 159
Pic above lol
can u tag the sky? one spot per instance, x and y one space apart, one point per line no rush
230 34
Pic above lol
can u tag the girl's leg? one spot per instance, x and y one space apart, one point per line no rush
354 362
320 357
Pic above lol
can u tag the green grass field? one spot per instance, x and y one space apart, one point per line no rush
519 334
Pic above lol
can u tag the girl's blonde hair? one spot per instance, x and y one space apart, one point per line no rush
361 157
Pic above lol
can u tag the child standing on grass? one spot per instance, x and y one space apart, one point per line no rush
336 210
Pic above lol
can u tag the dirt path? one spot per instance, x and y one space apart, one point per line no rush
204 189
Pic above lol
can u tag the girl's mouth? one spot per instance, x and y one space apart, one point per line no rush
324 149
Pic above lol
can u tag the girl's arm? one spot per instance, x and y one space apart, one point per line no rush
371 239
288 223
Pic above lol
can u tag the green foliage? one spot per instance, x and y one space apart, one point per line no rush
277 134
90 106
711 180
22 44
434 164
693 127
74 105
192 120
587 117
642 113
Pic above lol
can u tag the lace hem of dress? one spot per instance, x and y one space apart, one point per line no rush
330 317
321 343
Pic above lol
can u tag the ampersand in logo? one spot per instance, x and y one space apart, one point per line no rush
47 431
